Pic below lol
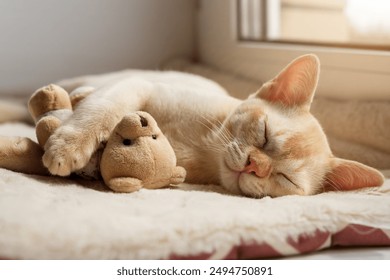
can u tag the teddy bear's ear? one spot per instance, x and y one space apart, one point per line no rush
146 119
124 184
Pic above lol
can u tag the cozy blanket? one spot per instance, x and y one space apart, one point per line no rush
64 218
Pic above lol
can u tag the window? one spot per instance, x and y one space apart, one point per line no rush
340 23
346 73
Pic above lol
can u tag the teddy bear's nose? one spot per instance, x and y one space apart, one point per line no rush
144 121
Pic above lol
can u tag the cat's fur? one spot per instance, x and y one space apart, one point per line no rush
268 144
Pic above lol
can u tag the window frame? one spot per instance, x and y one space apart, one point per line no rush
346 73
265 7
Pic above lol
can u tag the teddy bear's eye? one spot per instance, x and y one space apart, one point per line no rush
154 136
127 142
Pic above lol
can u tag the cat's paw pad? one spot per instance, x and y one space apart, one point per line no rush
66 151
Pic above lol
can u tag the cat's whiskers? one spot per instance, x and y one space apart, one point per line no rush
225 130
217 131
220 127
212 145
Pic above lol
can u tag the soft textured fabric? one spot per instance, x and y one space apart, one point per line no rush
58 218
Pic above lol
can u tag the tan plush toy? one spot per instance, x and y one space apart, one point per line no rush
137 154
49 106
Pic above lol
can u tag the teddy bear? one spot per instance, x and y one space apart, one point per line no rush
137 154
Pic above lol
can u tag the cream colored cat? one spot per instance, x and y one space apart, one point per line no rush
268 144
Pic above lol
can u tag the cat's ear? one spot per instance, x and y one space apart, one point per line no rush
346 175
295 85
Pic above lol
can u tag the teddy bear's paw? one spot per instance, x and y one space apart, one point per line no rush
125 184
66 151
178 176
48 98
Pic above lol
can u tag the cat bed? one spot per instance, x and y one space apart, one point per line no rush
58 218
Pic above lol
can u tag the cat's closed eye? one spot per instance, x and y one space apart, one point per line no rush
263 139
265 135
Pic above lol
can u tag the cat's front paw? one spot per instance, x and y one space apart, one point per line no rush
67 150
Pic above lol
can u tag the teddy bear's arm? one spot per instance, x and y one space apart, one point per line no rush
21 154
125 184
45 127
178 175
48 106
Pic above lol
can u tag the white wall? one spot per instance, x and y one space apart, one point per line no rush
45 40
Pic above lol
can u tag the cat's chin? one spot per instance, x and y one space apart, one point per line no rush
252 186
240 183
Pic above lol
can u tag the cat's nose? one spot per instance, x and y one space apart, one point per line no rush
259 166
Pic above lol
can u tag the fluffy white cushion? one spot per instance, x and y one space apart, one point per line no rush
56 218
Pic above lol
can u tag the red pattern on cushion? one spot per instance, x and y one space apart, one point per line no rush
358 235
351 235
252 251
310 242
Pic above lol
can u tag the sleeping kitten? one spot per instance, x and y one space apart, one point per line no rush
266 145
